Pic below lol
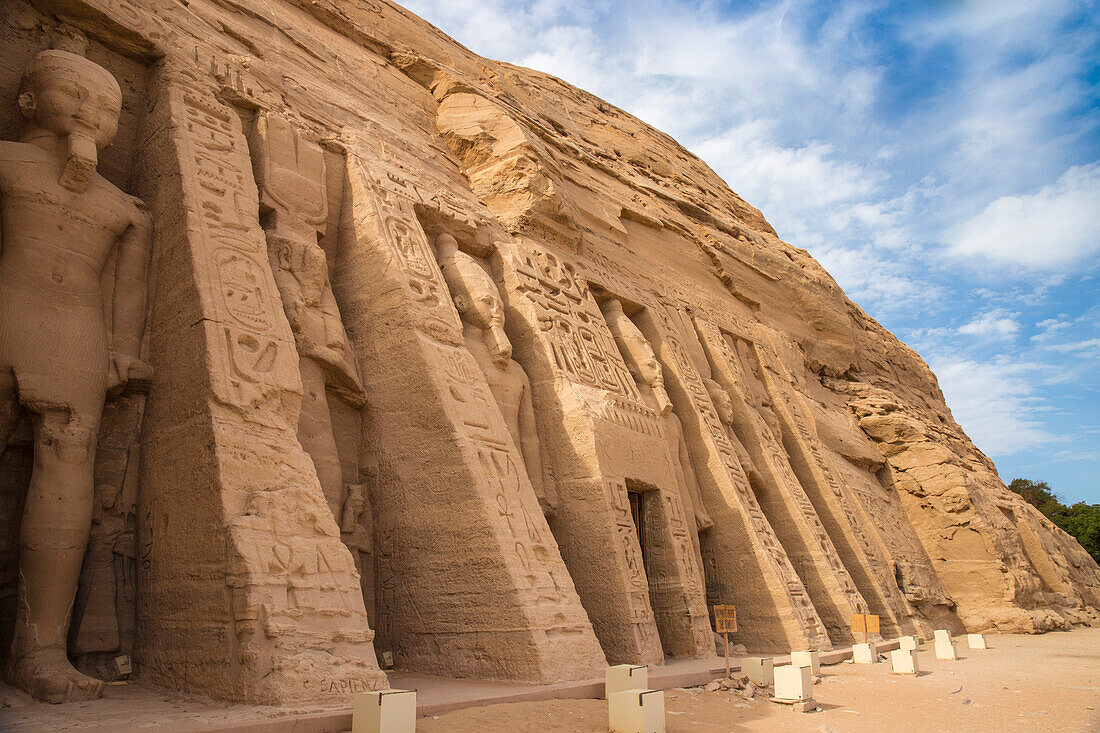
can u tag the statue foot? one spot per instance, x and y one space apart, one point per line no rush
48 676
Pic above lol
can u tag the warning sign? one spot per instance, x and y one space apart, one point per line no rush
725 619
866 623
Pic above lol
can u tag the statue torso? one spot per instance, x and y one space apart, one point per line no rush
53 237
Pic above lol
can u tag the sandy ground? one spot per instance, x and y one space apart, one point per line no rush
1022 683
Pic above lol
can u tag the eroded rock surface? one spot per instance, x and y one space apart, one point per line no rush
442 358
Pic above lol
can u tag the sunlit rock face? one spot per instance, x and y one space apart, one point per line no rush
322 336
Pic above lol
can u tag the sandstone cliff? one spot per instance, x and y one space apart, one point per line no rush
570 390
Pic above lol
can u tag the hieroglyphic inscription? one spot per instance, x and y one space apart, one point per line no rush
253 368
480 422
684 552
641 612
580 343
393 220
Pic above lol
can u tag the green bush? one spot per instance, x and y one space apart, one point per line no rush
1081 521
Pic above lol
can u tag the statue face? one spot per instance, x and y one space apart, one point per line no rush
722 402
482 306
477 300
67 94
641 361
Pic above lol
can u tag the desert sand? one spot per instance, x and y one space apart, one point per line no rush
1021 683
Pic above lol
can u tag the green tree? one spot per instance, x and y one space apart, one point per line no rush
1081 521
1036 493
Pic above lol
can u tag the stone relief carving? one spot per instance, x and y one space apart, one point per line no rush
63 225
639 356
646 369
290 173
482 311
643 365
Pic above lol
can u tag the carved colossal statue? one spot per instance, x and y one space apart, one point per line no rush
290 173
723 404
646 370
62 222
482 310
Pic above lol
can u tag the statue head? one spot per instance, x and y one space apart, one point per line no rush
637 353
75 100
722 401
475 296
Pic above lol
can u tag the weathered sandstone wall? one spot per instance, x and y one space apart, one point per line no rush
453 361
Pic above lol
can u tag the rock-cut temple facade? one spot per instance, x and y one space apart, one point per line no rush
324 340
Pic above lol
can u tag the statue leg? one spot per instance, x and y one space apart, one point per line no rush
315 435
57 518
9 408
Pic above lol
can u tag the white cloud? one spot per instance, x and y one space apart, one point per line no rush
995 402
994 324
1089 347
1055 228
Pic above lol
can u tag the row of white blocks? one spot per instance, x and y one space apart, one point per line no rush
631 706
904 660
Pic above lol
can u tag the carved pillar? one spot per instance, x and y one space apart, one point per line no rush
470 582
793 516
744 562
604 443
852 529
245 590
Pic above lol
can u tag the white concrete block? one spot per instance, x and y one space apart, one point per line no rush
946 649
976 641
636 711
908 642
864 654
759 670
793 683
904 661
807 659
943 635
625 677
384 711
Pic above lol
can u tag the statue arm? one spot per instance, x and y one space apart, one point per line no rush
131 286
344 375
702 519
532 451
290 292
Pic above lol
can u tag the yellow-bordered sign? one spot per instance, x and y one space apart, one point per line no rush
866 623
725 619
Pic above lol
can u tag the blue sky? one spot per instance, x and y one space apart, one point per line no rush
941 160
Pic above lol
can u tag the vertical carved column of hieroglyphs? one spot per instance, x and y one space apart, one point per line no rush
593 422
850 525
469 580
792 514
246 591
743 560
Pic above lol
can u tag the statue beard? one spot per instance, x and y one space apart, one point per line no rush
664 404
81 159
500 348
